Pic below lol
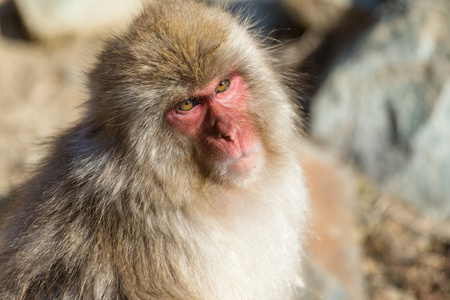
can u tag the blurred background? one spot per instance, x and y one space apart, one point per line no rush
374 85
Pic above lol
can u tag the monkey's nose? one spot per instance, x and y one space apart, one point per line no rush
226 130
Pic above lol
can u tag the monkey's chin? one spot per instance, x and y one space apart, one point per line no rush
243 169
245 164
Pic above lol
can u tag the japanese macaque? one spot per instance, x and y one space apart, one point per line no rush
181 180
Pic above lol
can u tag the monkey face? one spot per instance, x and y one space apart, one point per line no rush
196 95
216 119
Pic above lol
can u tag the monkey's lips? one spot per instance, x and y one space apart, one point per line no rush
246 158
245 163
235 158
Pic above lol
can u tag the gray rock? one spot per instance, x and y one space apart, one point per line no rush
324 15
425 181
49 19
377 107
321 285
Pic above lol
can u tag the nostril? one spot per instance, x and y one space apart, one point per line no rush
225 137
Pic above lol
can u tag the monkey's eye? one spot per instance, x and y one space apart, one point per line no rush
187 104
222 86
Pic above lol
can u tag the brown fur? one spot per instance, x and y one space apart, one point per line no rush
119 209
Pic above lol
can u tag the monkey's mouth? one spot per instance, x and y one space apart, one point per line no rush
244 157
247 162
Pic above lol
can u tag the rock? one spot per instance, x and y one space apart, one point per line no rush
320 285
333 265
427 174
317 15
50 19
382 94
10 23
324 15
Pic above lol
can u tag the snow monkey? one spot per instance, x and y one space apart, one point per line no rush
180 181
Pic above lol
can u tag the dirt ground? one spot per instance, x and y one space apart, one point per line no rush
406 256
42 87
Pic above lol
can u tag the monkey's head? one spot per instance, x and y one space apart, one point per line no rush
192 90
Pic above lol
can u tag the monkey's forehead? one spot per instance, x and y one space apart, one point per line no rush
179 41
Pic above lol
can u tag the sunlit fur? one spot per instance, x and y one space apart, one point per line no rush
120 209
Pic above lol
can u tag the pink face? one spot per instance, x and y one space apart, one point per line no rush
216 118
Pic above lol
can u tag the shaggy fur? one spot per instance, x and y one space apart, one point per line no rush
120 209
